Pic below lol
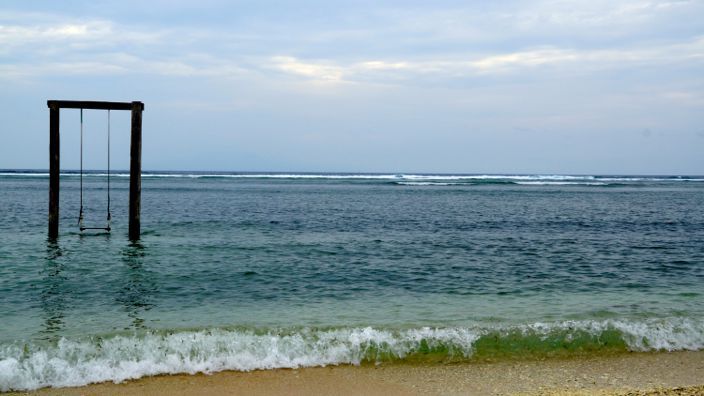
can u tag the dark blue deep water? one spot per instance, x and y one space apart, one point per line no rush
249 271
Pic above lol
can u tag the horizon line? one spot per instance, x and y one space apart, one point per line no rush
215 171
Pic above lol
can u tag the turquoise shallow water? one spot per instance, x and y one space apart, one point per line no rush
248 271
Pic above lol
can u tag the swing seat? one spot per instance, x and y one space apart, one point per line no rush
84 228
96 228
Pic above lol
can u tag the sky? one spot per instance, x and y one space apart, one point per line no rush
545 86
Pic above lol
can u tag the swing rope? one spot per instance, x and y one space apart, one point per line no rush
80 213
81 224
109 216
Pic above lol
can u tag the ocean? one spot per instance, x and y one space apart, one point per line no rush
245 271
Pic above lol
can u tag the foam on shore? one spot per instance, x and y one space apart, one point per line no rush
76 362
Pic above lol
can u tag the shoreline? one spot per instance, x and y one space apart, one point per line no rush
635 372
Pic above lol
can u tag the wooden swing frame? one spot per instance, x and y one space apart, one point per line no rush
135 158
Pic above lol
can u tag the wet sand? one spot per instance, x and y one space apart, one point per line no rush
677 373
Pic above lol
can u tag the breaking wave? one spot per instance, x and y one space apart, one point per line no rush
400 178
76 362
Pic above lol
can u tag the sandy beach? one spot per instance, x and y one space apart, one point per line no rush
677 373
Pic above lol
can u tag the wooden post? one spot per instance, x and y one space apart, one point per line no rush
54 171
135 170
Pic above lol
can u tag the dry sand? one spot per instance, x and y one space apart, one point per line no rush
678 373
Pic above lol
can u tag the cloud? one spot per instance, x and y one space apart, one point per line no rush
383 65
316 71
45 44
61 68
532 23
525 59
564 60
618 16
590 59
684 98
58 37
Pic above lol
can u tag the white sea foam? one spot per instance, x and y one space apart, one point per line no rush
75 363
28 174
561 183
118 358
646 335
652 179
497 177
363 176
273 176
409 183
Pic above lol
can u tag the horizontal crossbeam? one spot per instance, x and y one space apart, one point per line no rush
88 104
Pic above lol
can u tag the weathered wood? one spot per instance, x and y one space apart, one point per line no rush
94 105
135 170
54 171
